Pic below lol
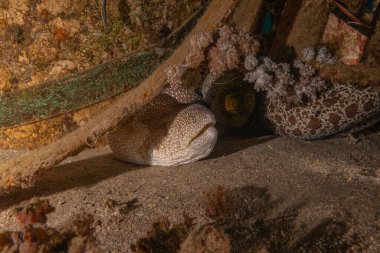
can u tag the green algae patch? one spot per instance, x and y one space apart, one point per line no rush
76 91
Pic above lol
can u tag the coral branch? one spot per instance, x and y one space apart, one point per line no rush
22 171
356 74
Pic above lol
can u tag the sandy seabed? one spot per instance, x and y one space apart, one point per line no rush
319 192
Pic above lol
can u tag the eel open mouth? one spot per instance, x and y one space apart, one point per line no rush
203 130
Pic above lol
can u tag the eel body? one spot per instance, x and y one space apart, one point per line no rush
342 109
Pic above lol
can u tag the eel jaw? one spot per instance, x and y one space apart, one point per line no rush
200 133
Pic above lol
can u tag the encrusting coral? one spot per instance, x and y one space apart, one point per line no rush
229 49
279 80
206 239
199 43
164 237
217 202
222 54
77 235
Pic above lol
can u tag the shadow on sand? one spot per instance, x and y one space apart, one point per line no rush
70 175
224 146
259 224
90 171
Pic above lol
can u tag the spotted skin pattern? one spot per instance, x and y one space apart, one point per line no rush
168 131
182 95
343 108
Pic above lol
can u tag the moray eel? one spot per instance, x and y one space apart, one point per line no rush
231 99
343 109
168 131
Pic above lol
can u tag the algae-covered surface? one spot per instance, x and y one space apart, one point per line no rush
48 39
76 91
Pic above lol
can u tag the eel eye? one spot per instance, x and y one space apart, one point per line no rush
193 119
